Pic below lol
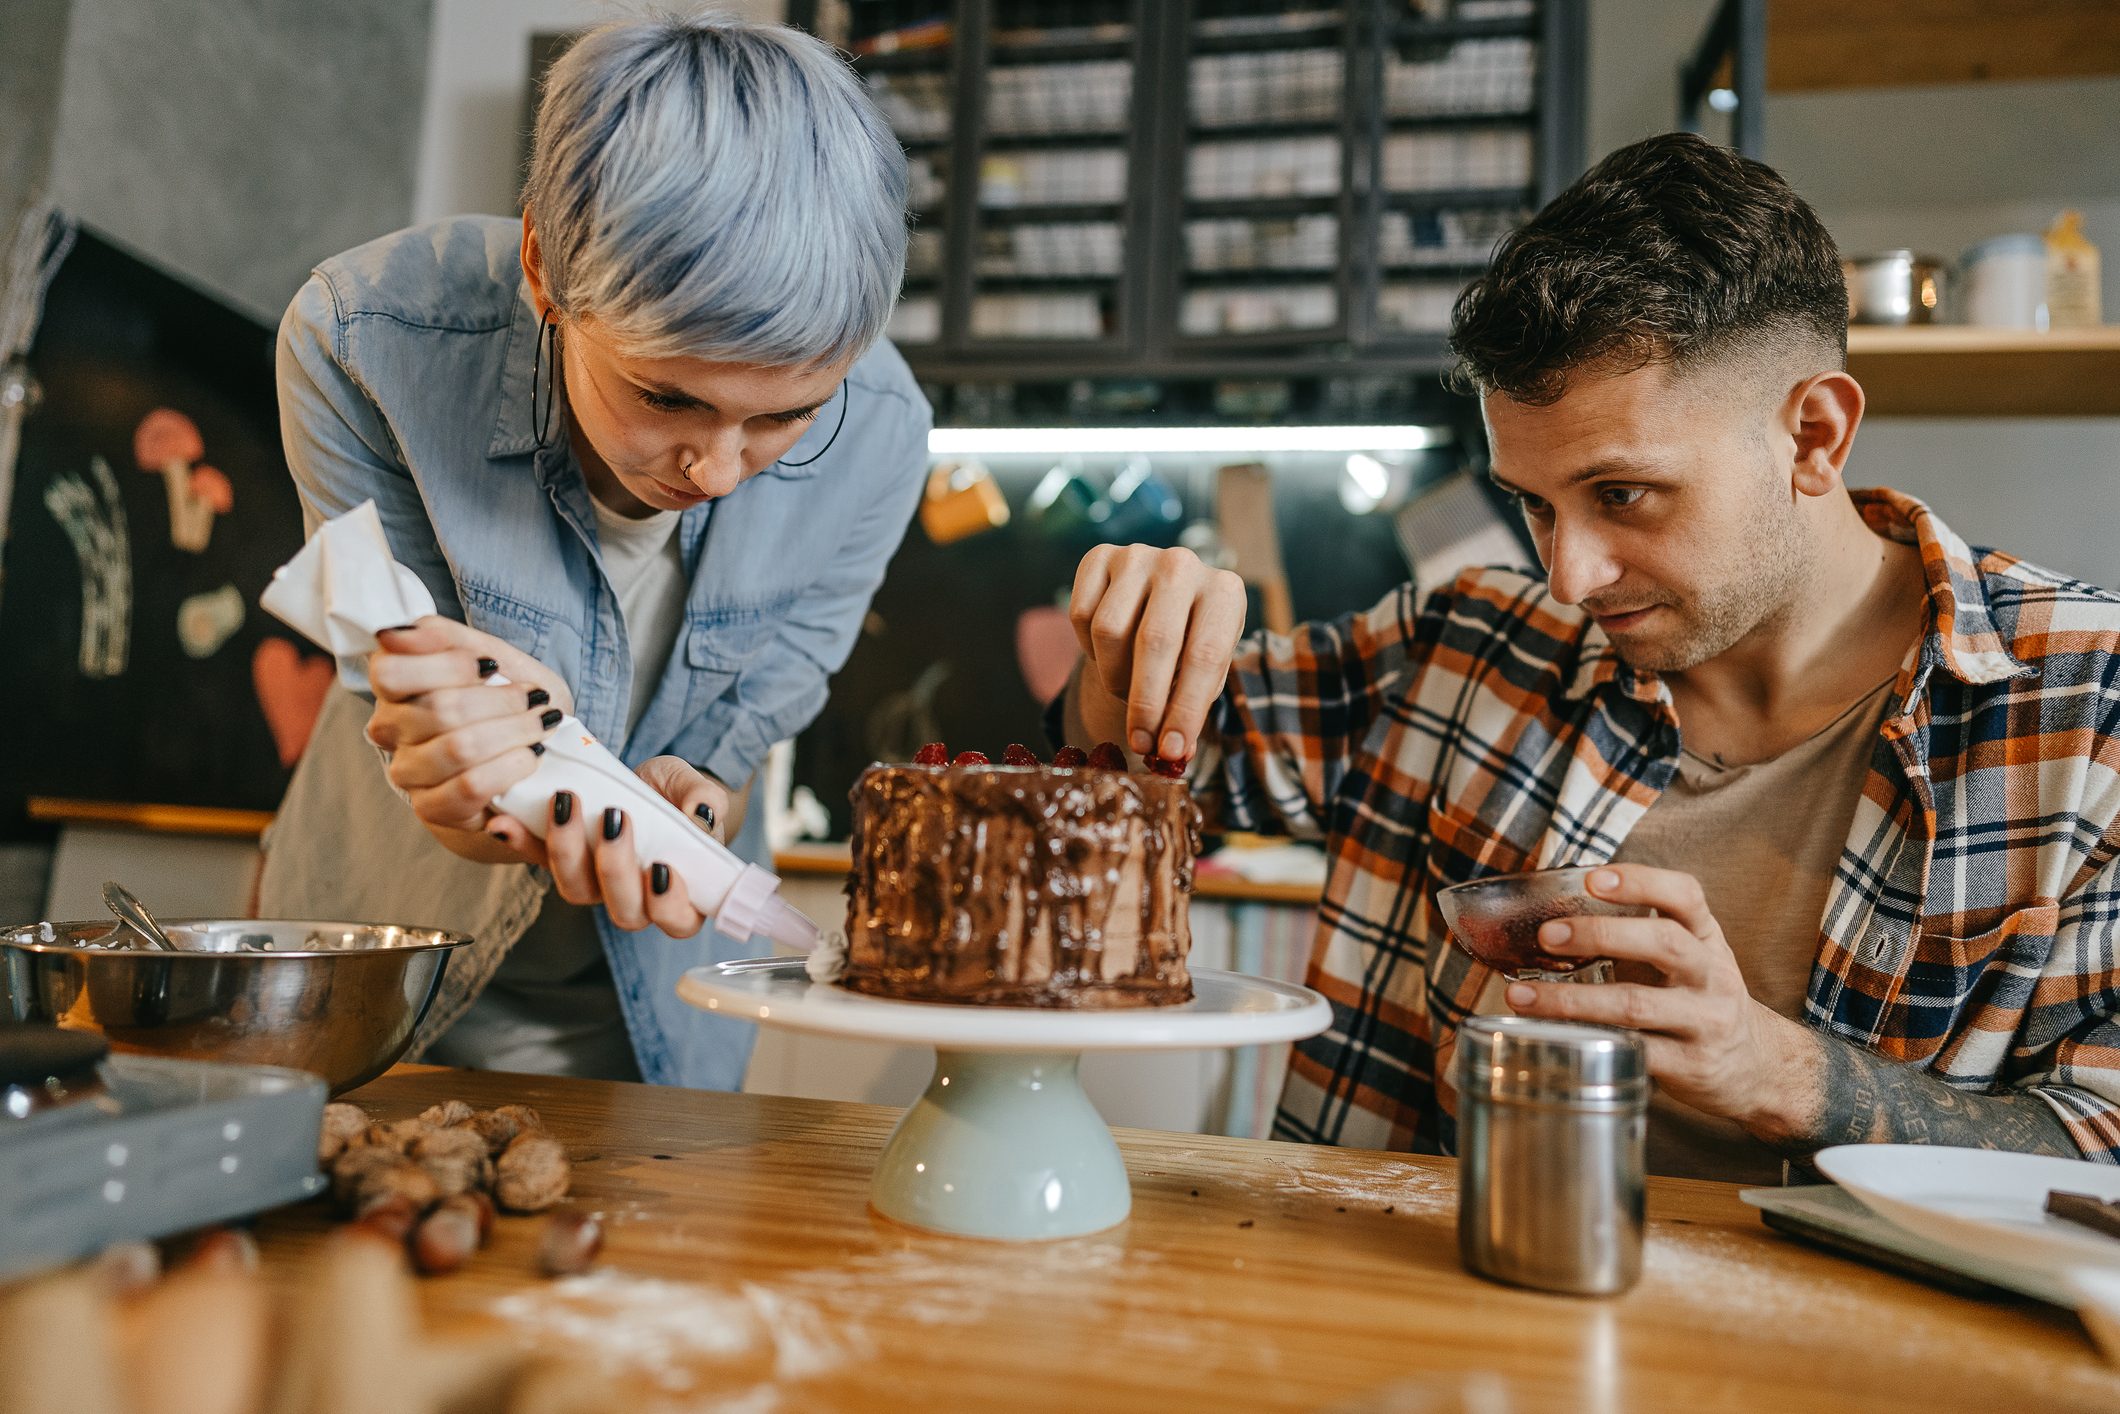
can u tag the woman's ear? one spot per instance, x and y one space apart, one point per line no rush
1824 410
534 268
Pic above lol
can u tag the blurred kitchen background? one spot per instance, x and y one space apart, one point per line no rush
1180 274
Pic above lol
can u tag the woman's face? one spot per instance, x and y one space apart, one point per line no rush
664 434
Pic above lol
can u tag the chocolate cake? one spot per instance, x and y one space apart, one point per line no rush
1021 884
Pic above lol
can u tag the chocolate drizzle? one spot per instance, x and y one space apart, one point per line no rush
1021 886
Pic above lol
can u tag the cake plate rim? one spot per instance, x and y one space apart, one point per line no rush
1228 1009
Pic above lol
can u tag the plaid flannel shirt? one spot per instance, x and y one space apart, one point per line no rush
1973 925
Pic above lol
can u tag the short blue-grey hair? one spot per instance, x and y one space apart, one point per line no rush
707 187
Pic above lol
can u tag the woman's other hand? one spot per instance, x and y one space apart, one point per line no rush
455 739
595 861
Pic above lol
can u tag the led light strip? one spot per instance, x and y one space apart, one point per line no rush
1059 441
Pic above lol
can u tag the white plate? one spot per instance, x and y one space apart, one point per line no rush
1981 1201
1227 1009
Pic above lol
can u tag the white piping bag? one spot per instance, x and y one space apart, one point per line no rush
344 587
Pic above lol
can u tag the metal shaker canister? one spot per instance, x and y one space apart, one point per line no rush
1551 1121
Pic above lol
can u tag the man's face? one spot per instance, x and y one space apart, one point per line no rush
676 432
1662 504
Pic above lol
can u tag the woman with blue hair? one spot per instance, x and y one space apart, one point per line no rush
650 453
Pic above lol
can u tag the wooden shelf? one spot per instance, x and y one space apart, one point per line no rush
155 819
1956 371
1829 44
832 860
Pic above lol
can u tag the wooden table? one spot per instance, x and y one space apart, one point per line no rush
1251 1275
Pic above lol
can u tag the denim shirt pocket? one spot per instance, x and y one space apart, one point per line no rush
720 643
490 610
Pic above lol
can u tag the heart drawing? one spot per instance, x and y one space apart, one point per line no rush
291 687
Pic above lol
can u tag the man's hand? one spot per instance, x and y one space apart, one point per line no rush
1709 1044
1158 629
594 861
456 741
1716 1049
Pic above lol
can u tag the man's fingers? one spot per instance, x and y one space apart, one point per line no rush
1091 576
1665 1010
1662 943
1159 639
1111 627
1203 668
1671 892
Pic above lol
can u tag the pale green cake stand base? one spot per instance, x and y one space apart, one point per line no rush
1004 1144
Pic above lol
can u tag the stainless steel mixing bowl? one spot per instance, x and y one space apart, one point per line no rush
339 1000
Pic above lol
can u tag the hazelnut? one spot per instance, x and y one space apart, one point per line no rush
446 1237
352 1167
397 1134
569 1244
390 1216
403 1179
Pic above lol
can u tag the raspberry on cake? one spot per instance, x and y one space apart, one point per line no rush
1021 884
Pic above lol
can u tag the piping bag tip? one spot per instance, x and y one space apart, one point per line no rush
788 925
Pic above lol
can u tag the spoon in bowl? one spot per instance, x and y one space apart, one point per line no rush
134 915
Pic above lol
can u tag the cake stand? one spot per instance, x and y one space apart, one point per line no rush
1005 1144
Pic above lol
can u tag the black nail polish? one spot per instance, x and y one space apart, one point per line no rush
705 813
487 667
537 748
563 807
539 697
400 628
498 835
614 821
552 718
659 878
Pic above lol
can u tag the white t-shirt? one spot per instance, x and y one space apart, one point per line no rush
550 1007
647 568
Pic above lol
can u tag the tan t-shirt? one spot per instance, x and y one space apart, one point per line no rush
1764 841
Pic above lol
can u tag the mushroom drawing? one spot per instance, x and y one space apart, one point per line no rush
167 442
211 495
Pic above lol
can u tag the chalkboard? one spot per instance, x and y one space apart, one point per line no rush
151 505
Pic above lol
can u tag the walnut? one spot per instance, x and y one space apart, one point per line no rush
532 1173
455 1159
523 1115
352 1167
569 1244
402 1179
344 1126
498 1127
397 1134
446 1237
445 1114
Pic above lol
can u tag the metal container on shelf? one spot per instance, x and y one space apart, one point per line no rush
1551 1125
1894 287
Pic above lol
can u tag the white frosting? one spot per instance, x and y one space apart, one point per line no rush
827 962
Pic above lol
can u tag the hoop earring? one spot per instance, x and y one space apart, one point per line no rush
547 350
846 395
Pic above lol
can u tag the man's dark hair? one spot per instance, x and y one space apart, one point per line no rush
1673 250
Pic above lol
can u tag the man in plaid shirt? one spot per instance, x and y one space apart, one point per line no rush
1868 777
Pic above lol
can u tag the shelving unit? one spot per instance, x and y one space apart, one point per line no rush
1948 370
1200 189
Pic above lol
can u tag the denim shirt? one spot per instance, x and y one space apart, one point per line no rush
405 370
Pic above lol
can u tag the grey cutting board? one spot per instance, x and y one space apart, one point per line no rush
1837 1212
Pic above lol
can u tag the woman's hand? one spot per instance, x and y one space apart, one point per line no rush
594 861
455 740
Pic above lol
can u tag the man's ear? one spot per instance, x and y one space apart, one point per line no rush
1821 414
534 268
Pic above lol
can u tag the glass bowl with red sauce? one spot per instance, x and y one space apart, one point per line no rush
1496 920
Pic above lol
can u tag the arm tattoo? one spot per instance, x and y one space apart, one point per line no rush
1866 1099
